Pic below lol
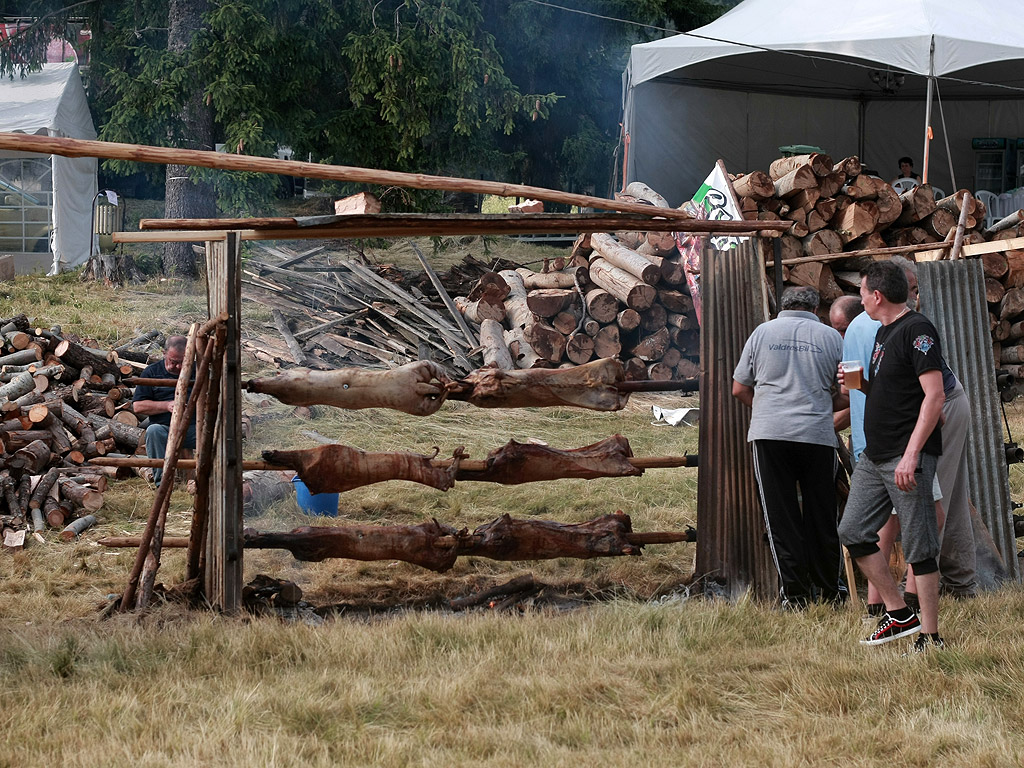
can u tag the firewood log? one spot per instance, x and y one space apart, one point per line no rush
54 513
819 163
77 356
652 347
607 342
653 318
626 259
1014 277
681 321
16 439
547 302
21 384
22 357
80 495
32 459
581 249
687 369
415 388
659 372
1012 304
889 206
819 276
601 305
831 184
629 319
126 435
579 348
495 351
917 203
535 280
756 184
994 291
484 308
335 468
953 203
660 244
519 319
635 369
77 527
671 357
995 265
567 321
675 301
1007 222
641 191
795 180
791 247
855 220
805 198
673 272
548 343
863 187
627 288
1014 355
938 222
823 242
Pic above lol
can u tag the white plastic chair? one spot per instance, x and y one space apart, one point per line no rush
1018 201
904 185
1005 205
939 194
991 203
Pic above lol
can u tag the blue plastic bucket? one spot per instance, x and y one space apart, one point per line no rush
323 504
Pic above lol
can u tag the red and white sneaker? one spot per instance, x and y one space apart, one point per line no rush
890 629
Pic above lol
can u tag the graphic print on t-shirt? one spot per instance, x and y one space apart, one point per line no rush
876 358
923 343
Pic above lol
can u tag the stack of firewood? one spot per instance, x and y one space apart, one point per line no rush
62 403
836 208
623 296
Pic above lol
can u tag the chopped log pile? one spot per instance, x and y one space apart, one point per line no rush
835 208
619 297
62 403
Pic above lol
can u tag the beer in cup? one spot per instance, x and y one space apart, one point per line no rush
853 373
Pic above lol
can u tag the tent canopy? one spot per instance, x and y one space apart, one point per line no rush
765 75
52 102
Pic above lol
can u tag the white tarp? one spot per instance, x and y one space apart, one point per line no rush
732 94
52 102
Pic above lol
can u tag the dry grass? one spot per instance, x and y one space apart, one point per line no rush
643 676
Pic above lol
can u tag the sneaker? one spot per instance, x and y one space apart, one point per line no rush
925 643
890 629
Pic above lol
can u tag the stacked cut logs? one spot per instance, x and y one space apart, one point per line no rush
835 207
1004 291
621 296
61 404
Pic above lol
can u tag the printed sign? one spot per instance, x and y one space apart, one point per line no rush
714 202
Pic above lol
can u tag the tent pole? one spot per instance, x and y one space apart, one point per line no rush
928 111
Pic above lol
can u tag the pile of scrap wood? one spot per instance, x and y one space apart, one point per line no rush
62 403
345 313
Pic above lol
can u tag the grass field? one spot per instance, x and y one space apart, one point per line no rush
641 675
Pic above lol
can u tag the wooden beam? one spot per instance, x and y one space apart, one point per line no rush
976 249
471 223
224 161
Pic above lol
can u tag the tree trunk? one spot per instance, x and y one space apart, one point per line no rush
183 198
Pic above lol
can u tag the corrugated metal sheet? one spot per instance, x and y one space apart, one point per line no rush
953 298
731 547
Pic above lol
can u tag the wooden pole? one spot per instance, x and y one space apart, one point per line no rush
958 240
439 287
176 433
138 153
416 224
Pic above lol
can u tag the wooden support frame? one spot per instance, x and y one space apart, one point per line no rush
223 573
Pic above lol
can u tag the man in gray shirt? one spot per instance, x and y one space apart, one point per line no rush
787 374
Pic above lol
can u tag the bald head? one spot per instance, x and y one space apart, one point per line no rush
843 310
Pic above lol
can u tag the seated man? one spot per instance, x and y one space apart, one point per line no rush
158 403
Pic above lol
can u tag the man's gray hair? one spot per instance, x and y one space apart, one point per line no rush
176 342
801 297
905 264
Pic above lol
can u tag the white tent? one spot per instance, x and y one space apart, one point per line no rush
768 74
40 194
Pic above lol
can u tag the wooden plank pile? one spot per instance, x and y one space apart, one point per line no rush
61 403
353 316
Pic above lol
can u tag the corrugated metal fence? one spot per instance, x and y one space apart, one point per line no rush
731 548
953 298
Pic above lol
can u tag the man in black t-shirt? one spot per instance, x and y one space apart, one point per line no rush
158 402
903 441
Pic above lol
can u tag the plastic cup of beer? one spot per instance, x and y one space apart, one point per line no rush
853 373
